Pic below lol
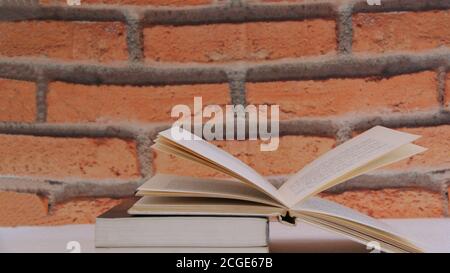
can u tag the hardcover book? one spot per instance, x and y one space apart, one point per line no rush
118 231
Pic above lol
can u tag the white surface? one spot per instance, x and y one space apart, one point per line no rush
302 238
433 233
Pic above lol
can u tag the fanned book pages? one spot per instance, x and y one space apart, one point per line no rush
250 194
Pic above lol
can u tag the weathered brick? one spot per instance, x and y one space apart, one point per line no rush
404 93
381 32
78 211
437 140
293 153
392 203
134 2
75 103
24 209
18 100
68 157
21 208
99 41
247 41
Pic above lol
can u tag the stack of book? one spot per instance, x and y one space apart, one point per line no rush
186 214
119 231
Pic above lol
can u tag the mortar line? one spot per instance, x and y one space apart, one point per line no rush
361 6
104 13
441 89
204 14
343 134
237 87
69 130
96 189
326 126
41 99
135 37
145 154
62 190
344 29
213 13
307 68
411 120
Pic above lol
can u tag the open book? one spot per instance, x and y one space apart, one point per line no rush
250 194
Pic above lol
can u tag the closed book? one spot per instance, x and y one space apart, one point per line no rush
116 228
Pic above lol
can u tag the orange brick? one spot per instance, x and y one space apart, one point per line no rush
74 103
18 100
134 2
392 203
21 208
99 41
24 209
247 41
404 93
437 140
67 157
413 31
293 153
78 211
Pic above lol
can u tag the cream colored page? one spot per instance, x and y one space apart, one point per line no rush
351 234
205 187
348 156
403 152
150 205
322 206
222 158
319 205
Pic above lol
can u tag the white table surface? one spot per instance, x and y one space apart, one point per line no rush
302 238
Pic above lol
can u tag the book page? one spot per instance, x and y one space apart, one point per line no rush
184 186
351 155
352 234
149 205
353 220
168 147
319 205
403 152
204 150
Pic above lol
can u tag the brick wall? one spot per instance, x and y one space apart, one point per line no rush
84 91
